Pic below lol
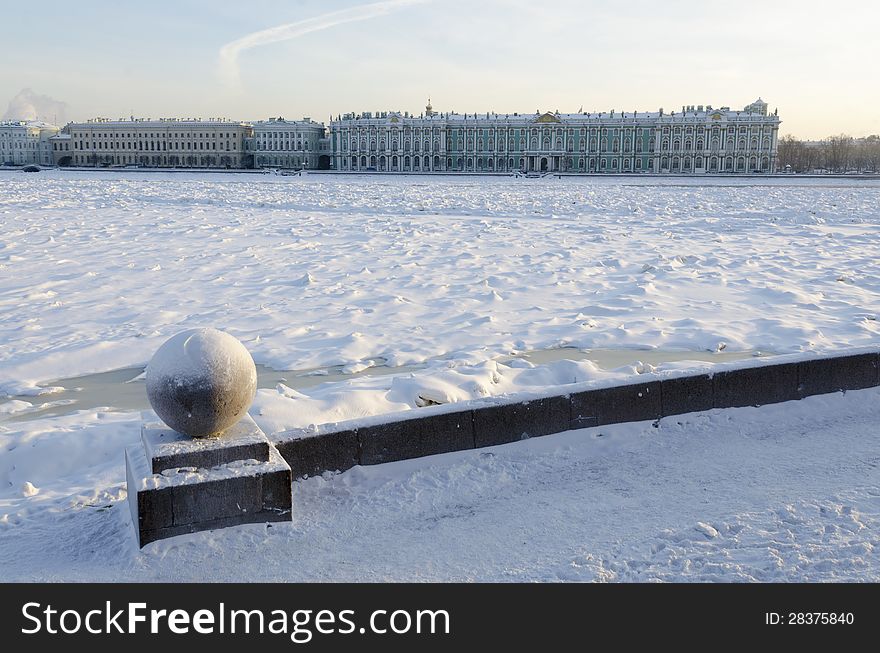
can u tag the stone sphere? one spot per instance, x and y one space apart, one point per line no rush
201 382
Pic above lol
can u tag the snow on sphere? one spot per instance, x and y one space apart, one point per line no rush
201 381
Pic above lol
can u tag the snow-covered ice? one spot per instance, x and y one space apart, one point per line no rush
450 275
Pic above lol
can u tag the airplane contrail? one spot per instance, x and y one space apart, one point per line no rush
230 52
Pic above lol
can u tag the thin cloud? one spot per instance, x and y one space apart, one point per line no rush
229 53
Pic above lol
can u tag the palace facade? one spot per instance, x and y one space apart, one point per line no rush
280 143
163 143
697 140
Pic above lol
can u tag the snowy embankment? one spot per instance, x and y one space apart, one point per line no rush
787 492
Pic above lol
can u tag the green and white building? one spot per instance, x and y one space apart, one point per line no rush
696 140
294 144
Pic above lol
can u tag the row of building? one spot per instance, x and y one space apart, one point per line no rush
696 140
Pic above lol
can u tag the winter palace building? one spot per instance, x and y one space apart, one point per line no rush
697 140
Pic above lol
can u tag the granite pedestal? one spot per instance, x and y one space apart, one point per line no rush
180 485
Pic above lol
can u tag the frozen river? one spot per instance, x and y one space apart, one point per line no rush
441 276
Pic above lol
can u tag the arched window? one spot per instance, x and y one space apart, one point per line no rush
427 162
394 161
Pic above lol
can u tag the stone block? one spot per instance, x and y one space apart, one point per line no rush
216 499
226 522
169 449
755 386
150 507
414 438
825 375
629 403
512 422
686 394
277 491
312 455
192 499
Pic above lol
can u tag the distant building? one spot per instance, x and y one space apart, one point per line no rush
163 143
295 144
24 142
62 147
698 140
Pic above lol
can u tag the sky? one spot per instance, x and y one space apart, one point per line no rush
817 62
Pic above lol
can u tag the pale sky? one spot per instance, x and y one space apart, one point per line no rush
817 62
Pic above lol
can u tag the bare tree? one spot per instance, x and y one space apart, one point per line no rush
870 153
838 151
